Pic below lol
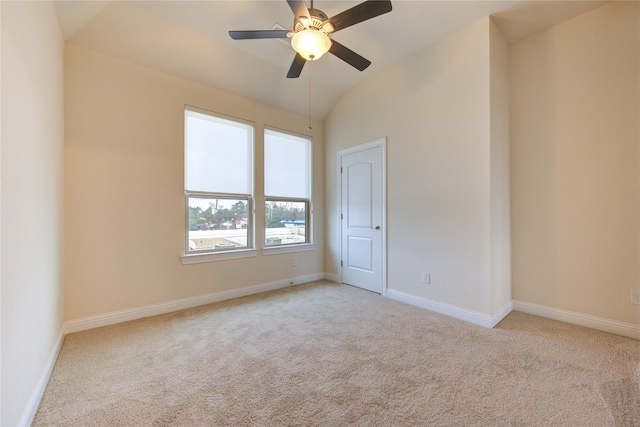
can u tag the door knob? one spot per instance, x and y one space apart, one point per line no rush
377 227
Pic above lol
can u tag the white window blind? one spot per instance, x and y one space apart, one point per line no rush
287 165
218 154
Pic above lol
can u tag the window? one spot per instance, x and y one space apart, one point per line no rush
218 183
287 188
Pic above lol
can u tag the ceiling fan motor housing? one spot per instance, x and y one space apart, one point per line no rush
317 18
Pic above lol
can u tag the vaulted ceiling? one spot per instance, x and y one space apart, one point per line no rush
190 39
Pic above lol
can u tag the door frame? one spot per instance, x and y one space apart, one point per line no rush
382 144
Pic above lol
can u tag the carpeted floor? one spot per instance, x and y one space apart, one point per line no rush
332 355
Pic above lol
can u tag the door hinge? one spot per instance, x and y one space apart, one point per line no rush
341 216
340 169
341 264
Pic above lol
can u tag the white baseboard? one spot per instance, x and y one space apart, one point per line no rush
115 317
501 314
36 395
599 323
470 316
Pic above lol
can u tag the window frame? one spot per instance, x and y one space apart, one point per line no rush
206 255
308 244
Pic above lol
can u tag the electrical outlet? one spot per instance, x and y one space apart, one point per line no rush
635 297
294 261
426 278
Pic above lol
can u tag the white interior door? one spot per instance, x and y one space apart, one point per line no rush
362 228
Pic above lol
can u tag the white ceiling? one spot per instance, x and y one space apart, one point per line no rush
190 39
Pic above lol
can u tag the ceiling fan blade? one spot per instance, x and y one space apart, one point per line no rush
299 8
259 34
296 67
349 56
362 12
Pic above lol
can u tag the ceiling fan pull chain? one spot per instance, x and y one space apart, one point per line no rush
309 97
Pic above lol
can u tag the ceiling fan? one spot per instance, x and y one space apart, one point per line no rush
311 29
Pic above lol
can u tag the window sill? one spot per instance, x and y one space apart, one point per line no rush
286 249
218 256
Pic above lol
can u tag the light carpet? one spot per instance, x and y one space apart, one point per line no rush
330 355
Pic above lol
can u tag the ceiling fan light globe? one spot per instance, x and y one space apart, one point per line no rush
311 44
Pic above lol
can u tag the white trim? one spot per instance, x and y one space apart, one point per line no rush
501 314
382 143
34 401
467 315
286 249
217 256
339 213
599 323
120 316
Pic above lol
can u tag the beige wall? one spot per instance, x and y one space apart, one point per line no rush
574 162
32 203
124 203
434 110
